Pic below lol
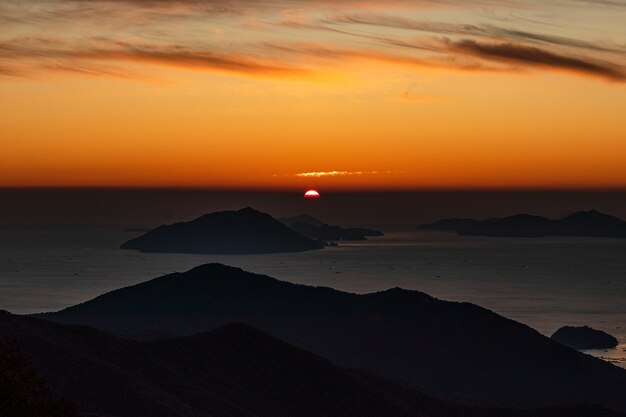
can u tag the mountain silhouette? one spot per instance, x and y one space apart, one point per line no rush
522 225
232 371
456 351
583 224
246 231
23 392
592 223
304 218
331 233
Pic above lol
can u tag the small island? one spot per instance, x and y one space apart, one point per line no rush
584 337
313 228
246 231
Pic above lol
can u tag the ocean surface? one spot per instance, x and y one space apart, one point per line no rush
545 283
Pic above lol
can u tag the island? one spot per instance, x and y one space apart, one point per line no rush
581 224
584 337
304 218
246 231
313 228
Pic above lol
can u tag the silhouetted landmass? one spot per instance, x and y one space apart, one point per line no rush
366 232
246 231
584 338
23 392
304 218
233 371
457 351
454 224
584 224
151 335
327 232
313 228
519 225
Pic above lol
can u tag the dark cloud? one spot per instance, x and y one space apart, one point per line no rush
533 56
240 36
63 57
486 31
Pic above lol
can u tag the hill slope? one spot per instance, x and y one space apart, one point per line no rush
456 351
233 371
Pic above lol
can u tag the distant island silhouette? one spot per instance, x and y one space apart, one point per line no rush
456 351
453 224
582 224
314 228
304 218
232 371
246 231
584 338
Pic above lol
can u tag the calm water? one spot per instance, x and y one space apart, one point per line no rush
545 283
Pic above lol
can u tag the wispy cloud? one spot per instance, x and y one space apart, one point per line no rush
536 57
320 174
298 38
489 31
37 54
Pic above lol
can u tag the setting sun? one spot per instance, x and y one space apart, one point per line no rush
311 194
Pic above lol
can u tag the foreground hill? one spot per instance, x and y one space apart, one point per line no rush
457 351
584 224
246 231
23 392
233 371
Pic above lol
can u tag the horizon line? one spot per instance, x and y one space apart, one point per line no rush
332 190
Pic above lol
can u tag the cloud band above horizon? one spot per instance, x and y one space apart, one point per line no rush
308 39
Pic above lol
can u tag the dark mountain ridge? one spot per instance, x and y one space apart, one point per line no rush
23 392
232 371
246 231
456 351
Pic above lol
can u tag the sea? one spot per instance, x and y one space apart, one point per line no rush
544 283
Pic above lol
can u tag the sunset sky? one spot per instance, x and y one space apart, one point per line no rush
298 94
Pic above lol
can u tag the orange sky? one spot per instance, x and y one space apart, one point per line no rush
399 95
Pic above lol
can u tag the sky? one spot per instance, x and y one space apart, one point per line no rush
295 94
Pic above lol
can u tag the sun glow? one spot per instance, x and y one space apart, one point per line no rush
311 194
